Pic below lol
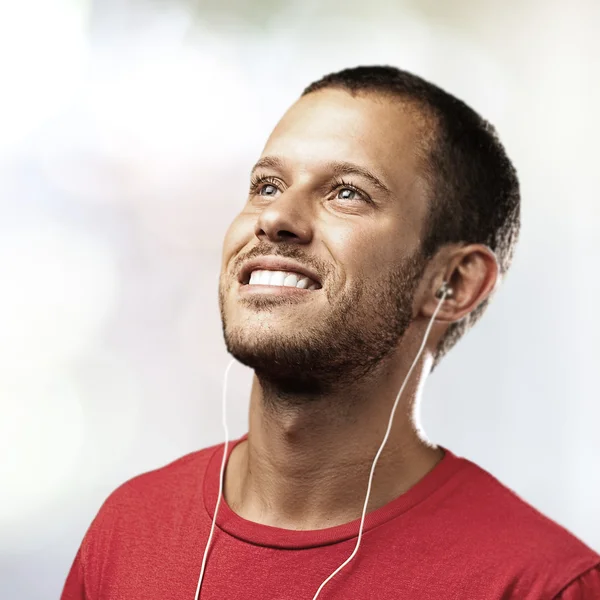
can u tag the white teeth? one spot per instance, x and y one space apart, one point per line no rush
291 280
264 278
281 278
277 278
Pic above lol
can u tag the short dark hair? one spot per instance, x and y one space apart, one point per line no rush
474 189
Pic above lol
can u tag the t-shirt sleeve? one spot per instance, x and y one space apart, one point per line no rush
585 587
74 587
83 580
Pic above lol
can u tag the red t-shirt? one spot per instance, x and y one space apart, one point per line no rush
457 534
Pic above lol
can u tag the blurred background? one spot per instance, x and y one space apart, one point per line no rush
127 132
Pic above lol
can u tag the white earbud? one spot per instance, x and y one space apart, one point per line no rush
445 290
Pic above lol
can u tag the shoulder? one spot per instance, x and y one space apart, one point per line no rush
518 534
502 507
172 481
146 508
151 495
180 472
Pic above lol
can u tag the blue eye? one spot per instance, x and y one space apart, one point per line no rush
267 190
267 187
347 194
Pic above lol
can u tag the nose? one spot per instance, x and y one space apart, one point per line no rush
286 219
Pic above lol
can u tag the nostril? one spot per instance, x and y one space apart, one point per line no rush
283 234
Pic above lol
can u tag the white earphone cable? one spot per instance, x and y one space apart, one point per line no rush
381 447
385 439
212 529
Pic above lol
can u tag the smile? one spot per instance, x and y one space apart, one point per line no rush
287 279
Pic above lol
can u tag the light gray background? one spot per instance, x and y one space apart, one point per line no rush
128 129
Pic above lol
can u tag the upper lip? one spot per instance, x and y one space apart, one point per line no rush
275 263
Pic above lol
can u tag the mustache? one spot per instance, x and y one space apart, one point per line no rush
290 251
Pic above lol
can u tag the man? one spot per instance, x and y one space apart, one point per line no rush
381 217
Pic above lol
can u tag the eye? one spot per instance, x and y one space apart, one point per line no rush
264 186
348 193
267 190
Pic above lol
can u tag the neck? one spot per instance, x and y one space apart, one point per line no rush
306 462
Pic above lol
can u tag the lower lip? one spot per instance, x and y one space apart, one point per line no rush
274 290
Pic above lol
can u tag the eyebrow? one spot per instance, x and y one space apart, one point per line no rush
337 167
269 162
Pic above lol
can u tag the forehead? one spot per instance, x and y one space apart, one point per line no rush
381 133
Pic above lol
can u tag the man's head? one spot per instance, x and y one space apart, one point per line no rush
381 185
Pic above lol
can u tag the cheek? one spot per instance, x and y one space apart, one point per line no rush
365 250
238 234
367 261
384 246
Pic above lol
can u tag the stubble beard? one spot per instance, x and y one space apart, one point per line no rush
363 327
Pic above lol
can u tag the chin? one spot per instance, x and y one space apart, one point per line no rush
278 367
261 340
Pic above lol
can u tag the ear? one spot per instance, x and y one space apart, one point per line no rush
472 273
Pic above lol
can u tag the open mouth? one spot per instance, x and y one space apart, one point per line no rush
289 279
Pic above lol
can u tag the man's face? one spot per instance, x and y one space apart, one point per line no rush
336 195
